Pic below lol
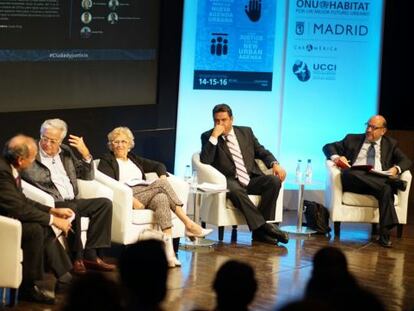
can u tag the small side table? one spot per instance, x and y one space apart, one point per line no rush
199 242
299 229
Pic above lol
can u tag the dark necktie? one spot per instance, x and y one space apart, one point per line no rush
18 181
236 154
371 155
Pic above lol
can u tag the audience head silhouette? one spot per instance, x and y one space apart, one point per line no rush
143 269
235 286
332 283
93 291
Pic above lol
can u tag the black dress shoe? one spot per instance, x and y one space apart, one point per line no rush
261 236
384 240
35 294
61 287
275 232
398 184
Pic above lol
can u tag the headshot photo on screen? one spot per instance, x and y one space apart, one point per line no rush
113 4
85 32
86 4
112 18
86 17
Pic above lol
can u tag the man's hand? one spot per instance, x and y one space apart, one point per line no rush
64 213
279 171
217 131
62 224
341 162
393 171
79 144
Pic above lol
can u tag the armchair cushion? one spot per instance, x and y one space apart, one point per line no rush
11 255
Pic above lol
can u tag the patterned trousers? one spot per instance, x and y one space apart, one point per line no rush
160 198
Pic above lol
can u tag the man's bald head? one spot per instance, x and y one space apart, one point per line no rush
20 151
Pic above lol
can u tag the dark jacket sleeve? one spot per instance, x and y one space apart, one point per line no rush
147 165
14 204
82 169
261 152
108 166
208 150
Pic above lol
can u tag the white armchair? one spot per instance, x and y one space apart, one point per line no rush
353 207
87 189
11 257
127 223
219 211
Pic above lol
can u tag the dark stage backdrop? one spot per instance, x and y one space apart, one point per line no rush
146 102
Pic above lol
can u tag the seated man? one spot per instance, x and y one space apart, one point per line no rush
55 171
39 244
232 150
382 152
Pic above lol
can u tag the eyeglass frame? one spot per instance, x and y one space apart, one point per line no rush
119 142
46 140
373 127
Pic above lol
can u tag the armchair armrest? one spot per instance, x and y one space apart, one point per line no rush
89 189
122 205
11 255
333 191
207 173
37 195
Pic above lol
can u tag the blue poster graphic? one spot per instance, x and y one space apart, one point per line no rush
235 44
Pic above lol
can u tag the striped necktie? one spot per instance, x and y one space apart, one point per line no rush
236 154
371 155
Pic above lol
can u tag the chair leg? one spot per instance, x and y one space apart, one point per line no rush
374 229
203 224
221 233
13 296
234 234
337 228
400 228
176 244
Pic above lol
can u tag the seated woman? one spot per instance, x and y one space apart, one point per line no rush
125 166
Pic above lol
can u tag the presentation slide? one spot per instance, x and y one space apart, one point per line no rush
59 54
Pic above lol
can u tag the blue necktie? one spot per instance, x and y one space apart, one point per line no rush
371 155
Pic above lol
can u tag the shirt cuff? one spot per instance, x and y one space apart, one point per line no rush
334 157
398 168
213 140
274 162
51 220
88 159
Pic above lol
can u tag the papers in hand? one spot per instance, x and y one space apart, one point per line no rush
138 182
205 186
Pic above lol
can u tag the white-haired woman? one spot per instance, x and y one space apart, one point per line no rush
123 165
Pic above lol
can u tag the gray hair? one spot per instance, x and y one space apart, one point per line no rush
118 131
56 124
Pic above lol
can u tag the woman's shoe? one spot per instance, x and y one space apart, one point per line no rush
202 234
170 254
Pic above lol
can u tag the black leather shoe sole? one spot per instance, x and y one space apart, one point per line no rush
264 238
275 232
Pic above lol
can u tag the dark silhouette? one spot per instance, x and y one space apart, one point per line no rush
143 269
253 10
235 286
93 291
333 284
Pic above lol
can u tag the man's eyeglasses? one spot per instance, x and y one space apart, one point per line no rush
119 142
373 127
46 140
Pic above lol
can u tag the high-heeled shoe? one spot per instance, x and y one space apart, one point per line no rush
202 234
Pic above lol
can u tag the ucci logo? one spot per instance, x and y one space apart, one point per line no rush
324 67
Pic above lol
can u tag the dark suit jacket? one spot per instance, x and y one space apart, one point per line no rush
39 175
351 145
14 204
220 157
109 166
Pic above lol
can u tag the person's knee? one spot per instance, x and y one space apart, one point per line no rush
105 203
273 182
